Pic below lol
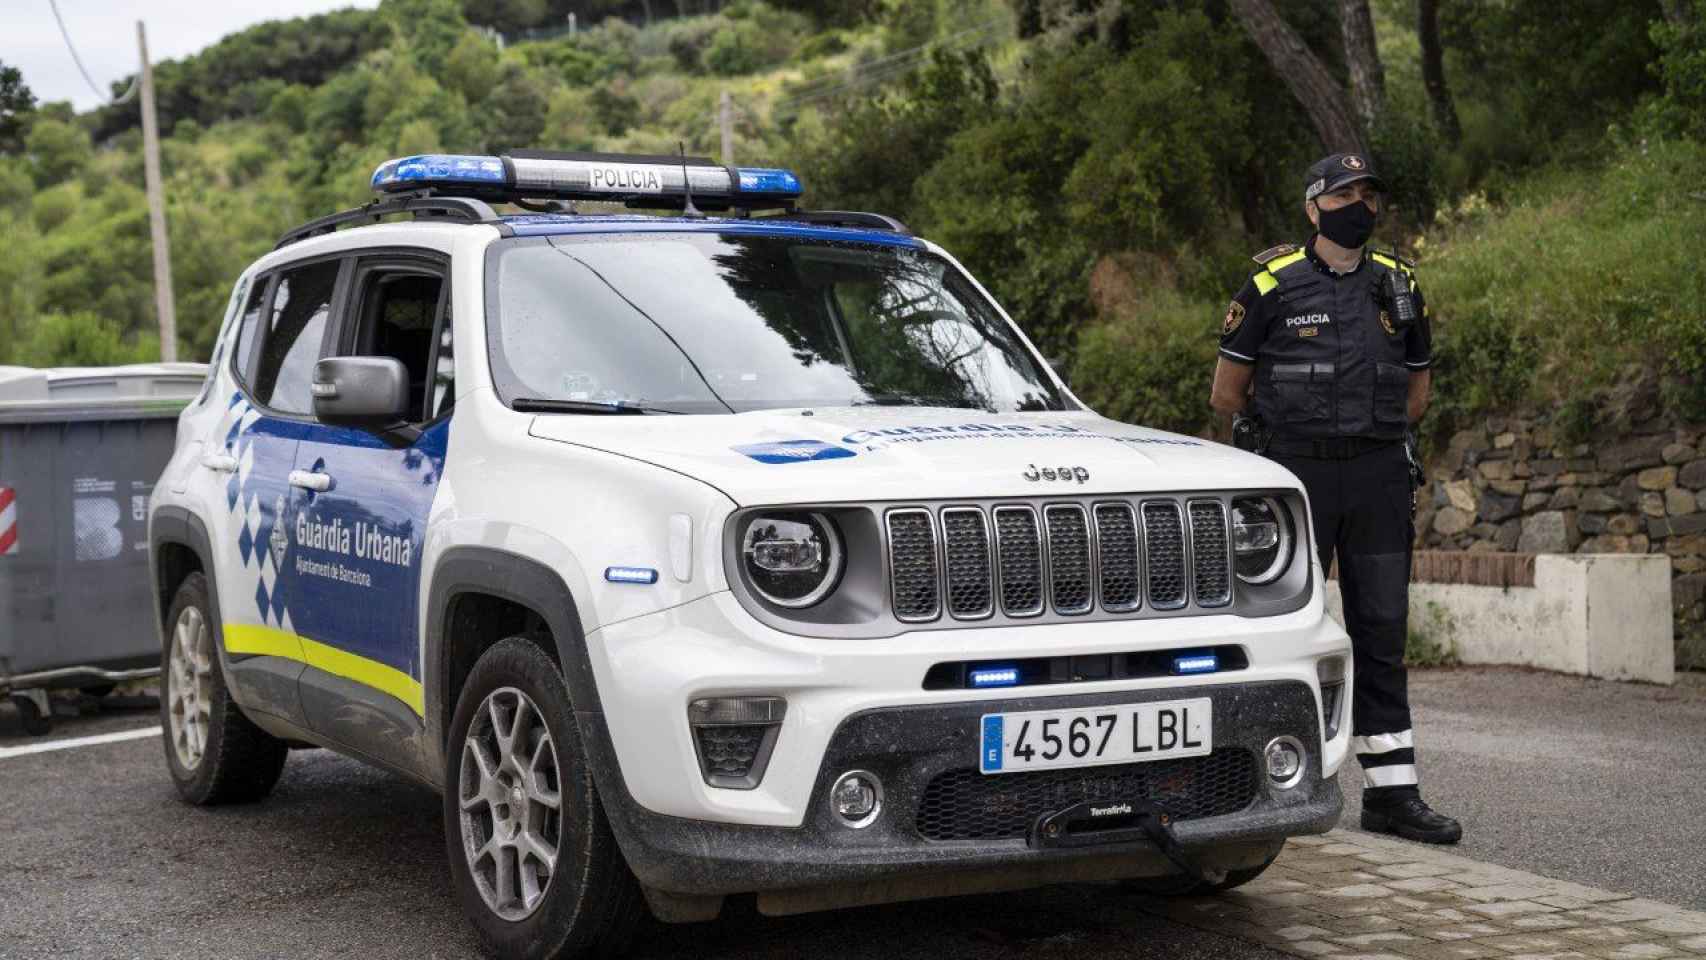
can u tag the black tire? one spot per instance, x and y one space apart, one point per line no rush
35 723
590 912
240 762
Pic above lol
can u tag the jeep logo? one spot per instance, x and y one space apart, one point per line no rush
1036 473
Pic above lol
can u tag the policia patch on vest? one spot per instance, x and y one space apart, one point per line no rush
1234 317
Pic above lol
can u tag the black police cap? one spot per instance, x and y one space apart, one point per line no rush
1335 170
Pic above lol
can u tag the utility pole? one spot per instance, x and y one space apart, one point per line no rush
725 120
163 302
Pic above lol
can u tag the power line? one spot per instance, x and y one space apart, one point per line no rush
896 63
105 96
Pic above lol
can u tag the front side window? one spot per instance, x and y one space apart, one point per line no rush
719 323
295 327
398 317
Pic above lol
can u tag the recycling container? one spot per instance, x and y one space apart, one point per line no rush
80 451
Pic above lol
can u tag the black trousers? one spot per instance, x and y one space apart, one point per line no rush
1361 513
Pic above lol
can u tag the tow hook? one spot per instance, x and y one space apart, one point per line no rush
1110 822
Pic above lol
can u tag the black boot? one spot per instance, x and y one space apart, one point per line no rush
1412 819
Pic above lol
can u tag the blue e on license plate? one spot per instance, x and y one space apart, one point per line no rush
1091 736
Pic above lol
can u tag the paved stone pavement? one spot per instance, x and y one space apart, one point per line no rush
1355 896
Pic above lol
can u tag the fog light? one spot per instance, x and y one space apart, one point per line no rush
857 798
1284 757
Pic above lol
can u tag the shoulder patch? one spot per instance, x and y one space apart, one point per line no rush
1273 252
1234 317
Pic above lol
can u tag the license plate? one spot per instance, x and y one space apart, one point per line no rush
1128 733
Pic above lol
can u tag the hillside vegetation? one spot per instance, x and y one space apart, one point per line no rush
1105 167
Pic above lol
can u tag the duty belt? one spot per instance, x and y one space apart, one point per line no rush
1330 448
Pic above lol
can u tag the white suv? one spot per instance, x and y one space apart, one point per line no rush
691 556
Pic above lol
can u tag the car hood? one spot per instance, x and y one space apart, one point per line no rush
916 453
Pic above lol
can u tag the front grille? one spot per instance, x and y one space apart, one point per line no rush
1115 556
1020 550
1164 547
1068 558
964 804
912 565
1121 576
965 544
1211 562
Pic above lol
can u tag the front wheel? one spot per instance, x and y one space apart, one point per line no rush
532 858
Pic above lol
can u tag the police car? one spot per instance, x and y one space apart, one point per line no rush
742 549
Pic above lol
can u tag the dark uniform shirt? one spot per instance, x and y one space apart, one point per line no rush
1330 359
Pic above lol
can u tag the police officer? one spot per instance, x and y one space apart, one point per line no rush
1327 347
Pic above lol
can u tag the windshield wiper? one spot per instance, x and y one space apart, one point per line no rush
536 405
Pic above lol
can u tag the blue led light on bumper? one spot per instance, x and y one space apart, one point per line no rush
630 575
995 677
1195 663
637 180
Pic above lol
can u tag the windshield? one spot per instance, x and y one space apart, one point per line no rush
719 323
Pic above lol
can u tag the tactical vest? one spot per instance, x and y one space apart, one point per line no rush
1333 361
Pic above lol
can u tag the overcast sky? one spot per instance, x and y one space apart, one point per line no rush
105 34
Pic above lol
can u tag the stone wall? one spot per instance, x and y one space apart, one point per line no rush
1512 484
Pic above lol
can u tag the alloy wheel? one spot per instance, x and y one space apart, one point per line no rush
510 796
189 686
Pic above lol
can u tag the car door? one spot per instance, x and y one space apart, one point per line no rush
281 337
362 523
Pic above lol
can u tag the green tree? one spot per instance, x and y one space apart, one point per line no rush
472 69
57 150
17 104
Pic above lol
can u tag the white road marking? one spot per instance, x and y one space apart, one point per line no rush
75 742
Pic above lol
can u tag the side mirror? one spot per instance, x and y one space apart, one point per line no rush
361 391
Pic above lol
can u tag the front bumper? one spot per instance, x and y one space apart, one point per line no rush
912 746
861 704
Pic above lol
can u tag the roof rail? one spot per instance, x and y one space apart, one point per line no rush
422 204
842 218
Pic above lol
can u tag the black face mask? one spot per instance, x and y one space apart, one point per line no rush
1348 226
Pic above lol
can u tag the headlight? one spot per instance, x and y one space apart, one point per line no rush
792 559
1261 539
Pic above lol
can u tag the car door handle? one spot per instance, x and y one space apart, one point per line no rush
317 482
220 462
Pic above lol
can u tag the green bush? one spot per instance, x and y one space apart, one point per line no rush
1152 366
1681 66
82 339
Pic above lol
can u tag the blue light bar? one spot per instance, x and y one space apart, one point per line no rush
1196 663
995 677
632 179
408 173
630 575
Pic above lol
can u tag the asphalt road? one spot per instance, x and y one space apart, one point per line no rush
98 858
1595 782
1598 782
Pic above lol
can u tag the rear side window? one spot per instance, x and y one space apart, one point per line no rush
243 349
295 327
